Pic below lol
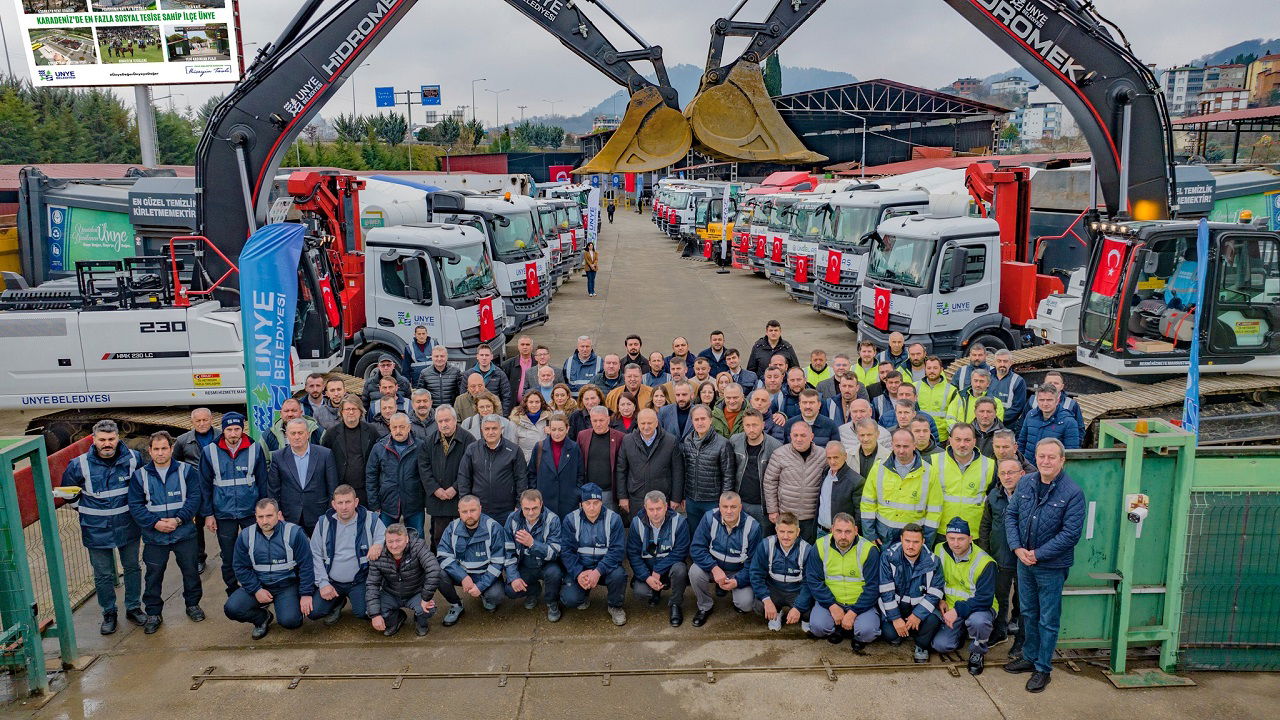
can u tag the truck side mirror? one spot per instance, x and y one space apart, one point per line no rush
444 201
955 277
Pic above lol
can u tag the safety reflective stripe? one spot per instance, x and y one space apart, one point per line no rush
845 588
87 488
657 540
952 579
984 471
788 577
274 566
592 551
741 556
218 481
165 507
916 507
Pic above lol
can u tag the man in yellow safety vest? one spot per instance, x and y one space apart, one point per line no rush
845 605
901 489
965 475
969 594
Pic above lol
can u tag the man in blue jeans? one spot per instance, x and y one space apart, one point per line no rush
106 526
1043 525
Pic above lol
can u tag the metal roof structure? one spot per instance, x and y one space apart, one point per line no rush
883 102
1232 122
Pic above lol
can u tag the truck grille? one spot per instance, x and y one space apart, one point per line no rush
846 291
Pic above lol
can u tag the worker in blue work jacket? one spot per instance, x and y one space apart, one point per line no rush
234 470
721 550
345 541
273 565
106 526
594 542
472 552
969 594
785 571
533 554
164 498
1010 388
656 548
844 606
911 587
977 359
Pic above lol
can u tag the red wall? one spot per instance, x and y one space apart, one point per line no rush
490 163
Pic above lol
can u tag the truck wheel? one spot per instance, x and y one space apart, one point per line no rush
852 325
367 365
990 342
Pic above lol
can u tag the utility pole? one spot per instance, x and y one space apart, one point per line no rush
553 106
522 108
146 114
408 111
496 94
473 96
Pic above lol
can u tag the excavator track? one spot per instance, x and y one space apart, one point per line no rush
136 424
1241 408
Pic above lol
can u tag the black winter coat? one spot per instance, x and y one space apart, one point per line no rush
495 476
439 470
710 466
391 478
332 439
761 352
417 574
443 385
642 468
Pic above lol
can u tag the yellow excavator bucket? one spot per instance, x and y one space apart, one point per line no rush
650 137
736 120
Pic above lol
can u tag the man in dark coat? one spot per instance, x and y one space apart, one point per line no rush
351 441
649 459
438 462
405 575
440 378
493 470
302 477
768 346
600 445
710 467
391 477
841 490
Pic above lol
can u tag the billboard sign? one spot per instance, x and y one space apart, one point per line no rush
76 233
74 43
430 94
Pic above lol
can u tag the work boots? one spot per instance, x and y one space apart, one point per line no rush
394 622
424 625
976 661
109 623
260 629
152 624
136 616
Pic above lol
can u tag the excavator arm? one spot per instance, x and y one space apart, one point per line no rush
293 77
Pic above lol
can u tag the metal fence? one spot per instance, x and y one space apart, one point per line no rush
79 573
1232 587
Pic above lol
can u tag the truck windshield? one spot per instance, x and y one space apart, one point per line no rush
744 216
516 237
780 217
700 211
902 260
679 200
468 276
853 222
549 224
812 223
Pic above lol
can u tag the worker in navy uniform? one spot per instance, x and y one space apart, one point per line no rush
106 526
472 554
785 571
346 540
234 471
656 548
721 551
533 554
593 544
302 477
273 563
164 497
417 354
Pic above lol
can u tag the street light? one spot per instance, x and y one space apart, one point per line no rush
553 106
522 109
353 88
862 164
473 96
496 93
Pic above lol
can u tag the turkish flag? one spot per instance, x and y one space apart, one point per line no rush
777 250
882 300
531 288
706 248
1110 264
833 267
487 329
573 240
330 304
802 268
560 173
759 246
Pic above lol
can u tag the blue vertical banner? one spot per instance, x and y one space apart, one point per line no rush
268 303
593 216
57 237
1191 409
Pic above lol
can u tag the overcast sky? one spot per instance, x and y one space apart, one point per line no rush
920 42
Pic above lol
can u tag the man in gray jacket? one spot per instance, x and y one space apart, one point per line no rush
189 448
753 448
406 575
649 459
709 465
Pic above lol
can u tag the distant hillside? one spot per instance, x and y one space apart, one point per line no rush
684 78
1257 47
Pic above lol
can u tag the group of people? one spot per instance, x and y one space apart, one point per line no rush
813 495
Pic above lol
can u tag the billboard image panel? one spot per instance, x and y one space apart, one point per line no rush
74 43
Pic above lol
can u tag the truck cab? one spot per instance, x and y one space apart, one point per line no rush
680 211
759 230
781 219
509 229
1139 295
936 281
740 231
810 222
432 274
852 220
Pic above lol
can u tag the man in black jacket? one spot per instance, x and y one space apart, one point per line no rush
387 367
438 462
768 346
302 477
440 378
495 380
710 467
391 477
649 459
493 470
996 543
406 575
517 366
350 441
841 490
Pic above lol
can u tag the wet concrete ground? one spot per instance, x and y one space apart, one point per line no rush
644 288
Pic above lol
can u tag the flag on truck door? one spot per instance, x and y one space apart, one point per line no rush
802 268
777 250
882 301
487 329
1110 265
269 301
833 267
531 289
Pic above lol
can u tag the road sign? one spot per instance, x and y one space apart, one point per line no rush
430 94
384 96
